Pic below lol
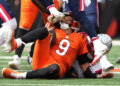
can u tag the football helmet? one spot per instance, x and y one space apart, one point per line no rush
106 40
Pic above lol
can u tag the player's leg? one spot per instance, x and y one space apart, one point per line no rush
25 25
79 14
49 72
12 43
92 13
41 53
40 61
15 64
28 9
29 58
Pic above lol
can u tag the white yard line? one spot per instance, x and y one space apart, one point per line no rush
116 42
11 57
49 85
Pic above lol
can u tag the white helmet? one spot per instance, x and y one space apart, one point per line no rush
106 40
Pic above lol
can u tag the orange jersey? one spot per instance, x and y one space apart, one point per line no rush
67 47
63 52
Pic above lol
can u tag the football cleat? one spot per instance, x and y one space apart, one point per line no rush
15 64
10 42
100 50
55 18
8 73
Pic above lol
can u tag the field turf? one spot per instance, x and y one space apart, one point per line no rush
5 57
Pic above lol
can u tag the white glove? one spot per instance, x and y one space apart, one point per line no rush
55 15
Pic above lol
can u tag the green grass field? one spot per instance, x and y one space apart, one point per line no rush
115 81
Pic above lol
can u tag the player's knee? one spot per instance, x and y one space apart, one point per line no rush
54 70
44 33
21 32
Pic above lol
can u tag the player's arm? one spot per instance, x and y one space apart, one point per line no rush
51 28
52 37
46 4
55 14
84 64
87 70
40 6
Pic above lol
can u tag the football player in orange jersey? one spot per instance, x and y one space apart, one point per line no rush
80 15
28 9
54 61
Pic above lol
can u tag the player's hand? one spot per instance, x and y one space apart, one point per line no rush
55 18
105 75
49 26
